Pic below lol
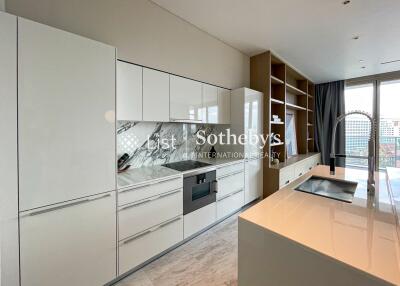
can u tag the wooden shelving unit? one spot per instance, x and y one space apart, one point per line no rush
286 91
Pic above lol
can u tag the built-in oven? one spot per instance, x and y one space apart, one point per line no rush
199 189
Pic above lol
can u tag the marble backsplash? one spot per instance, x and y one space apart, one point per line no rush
151 143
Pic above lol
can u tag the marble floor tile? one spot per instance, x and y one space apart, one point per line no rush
207 260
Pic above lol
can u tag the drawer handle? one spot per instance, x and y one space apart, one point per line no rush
148 184
146 232
229 195
75 203
231 174
150 200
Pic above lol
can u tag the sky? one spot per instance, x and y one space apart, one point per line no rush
361 98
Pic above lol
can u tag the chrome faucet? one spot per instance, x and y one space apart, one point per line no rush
371 150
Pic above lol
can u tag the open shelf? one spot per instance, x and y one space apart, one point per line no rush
277 123
295 107
309 139
277 144
276 101
275 80
309 124
290 88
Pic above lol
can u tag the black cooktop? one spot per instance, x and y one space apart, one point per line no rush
186 165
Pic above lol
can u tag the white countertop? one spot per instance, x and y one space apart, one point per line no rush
362 234
144 175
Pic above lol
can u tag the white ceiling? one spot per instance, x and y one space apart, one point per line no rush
314 36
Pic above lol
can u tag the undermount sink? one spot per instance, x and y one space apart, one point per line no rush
330 188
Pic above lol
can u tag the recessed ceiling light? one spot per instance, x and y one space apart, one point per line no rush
363 67
356 37
390 62
346 2
361 61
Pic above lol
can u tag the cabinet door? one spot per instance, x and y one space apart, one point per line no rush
253 122
253 180
66 117
185 99
9 248
70 244
129 92
224 106
210 110
155 96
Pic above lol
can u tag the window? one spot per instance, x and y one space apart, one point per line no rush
389 124
358 97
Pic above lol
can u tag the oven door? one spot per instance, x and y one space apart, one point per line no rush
199 191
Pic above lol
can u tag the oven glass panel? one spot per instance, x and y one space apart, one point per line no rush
200 191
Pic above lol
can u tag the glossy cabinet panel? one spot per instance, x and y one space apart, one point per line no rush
66 119
224 106
210 104
253 117
70 244
129 92
155 96
185 100
253 180
9 249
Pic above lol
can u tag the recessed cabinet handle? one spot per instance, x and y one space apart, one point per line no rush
149 200
231 174
148 184
151 230
75 203
229 195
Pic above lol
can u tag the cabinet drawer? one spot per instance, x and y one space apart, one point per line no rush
230 204
230 184
301 168
199 219
137 249
286 176
142 215
127 196
231 169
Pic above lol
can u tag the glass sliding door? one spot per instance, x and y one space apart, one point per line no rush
389 124
358 97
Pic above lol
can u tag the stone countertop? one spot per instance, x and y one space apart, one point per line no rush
361 234
145 175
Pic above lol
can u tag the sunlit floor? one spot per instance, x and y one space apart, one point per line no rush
209 259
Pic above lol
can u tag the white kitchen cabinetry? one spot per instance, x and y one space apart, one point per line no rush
73 243
224 106
66 118
210 104
199 219
129 92
155 95
185 100
253 180
9 248
293 171
143 246
231 189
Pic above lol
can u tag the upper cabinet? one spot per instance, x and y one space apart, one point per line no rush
210 110
224 106
66 118
155 95
185 100
129 92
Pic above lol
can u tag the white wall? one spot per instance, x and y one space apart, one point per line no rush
2 4
144 33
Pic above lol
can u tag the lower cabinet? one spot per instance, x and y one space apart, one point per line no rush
199 219
230 204
135 250
73 243
253 171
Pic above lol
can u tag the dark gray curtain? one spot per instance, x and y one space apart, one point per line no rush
329 104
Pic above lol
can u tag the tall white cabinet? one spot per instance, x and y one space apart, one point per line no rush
247 106
9 249
67 162
66 118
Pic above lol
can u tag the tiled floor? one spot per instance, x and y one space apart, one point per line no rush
209 259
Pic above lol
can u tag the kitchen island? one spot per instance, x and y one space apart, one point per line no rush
297 238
